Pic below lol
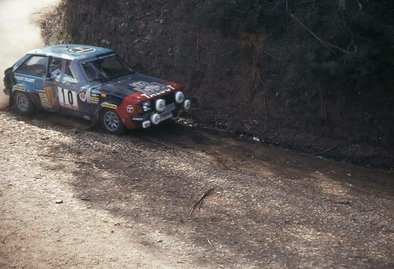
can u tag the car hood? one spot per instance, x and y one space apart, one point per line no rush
146 86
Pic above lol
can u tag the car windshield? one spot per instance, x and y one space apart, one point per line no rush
106 68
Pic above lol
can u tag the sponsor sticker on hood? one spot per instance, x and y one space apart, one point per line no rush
150 90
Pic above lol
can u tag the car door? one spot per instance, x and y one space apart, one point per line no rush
66 86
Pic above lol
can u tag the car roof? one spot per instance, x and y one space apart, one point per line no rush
71 51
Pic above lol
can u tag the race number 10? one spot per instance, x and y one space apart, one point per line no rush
67 98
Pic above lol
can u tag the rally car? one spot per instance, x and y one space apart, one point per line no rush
93 83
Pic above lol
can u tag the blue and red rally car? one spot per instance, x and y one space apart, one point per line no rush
93 83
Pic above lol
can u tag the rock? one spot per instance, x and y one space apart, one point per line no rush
59 201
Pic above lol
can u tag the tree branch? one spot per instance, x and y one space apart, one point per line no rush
198 204
326 44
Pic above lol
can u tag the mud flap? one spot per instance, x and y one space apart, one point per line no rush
96 118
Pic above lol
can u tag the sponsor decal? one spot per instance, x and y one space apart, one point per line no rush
30 80
18 88
96 92
150 90
46 97
81 49
156 92
138 118
82 96
130 109
93 100
138 84
109 105
92 96
152 87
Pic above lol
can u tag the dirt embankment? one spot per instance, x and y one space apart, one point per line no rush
236 82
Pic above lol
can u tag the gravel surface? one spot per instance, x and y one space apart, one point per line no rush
77 198
72 198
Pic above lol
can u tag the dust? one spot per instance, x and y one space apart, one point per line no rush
19 32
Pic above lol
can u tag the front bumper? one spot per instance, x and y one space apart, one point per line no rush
154 118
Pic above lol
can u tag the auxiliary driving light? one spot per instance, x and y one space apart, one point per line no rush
187 104
160 105
146 124
179 97
155 118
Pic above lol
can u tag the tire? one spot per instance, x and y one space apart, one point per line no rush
23 103
110 122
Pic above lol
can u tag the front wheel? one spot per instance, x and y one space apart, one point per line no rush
110 122
23 104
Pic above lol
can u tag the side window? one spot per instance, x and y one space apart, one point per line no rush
60 73
68 75
34 66
55 67
67 70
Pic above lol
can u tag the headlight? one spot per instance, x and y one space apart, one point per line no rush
146 106
160 105
179 97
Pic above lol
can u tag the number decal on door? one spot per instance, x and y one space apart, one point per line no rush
67 98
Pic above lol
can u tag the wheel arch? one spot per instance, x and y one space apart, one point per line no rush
102 111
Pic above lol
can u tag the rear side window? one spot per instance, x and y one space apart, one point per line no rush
68 75
67 70
34 66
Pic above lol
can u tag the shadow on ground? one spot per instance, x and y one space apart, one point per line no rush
270 207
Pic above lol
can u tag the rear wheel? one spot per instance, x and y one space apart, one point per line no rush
110 122
23 104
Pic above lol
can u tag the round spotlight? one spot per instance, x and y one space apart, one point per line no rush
187 104
179 97
160 105
155 118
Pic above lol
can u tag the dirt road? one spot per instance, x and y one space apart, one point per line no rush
72 198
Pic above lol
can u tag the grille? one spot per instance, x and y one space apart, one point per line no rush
170 98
